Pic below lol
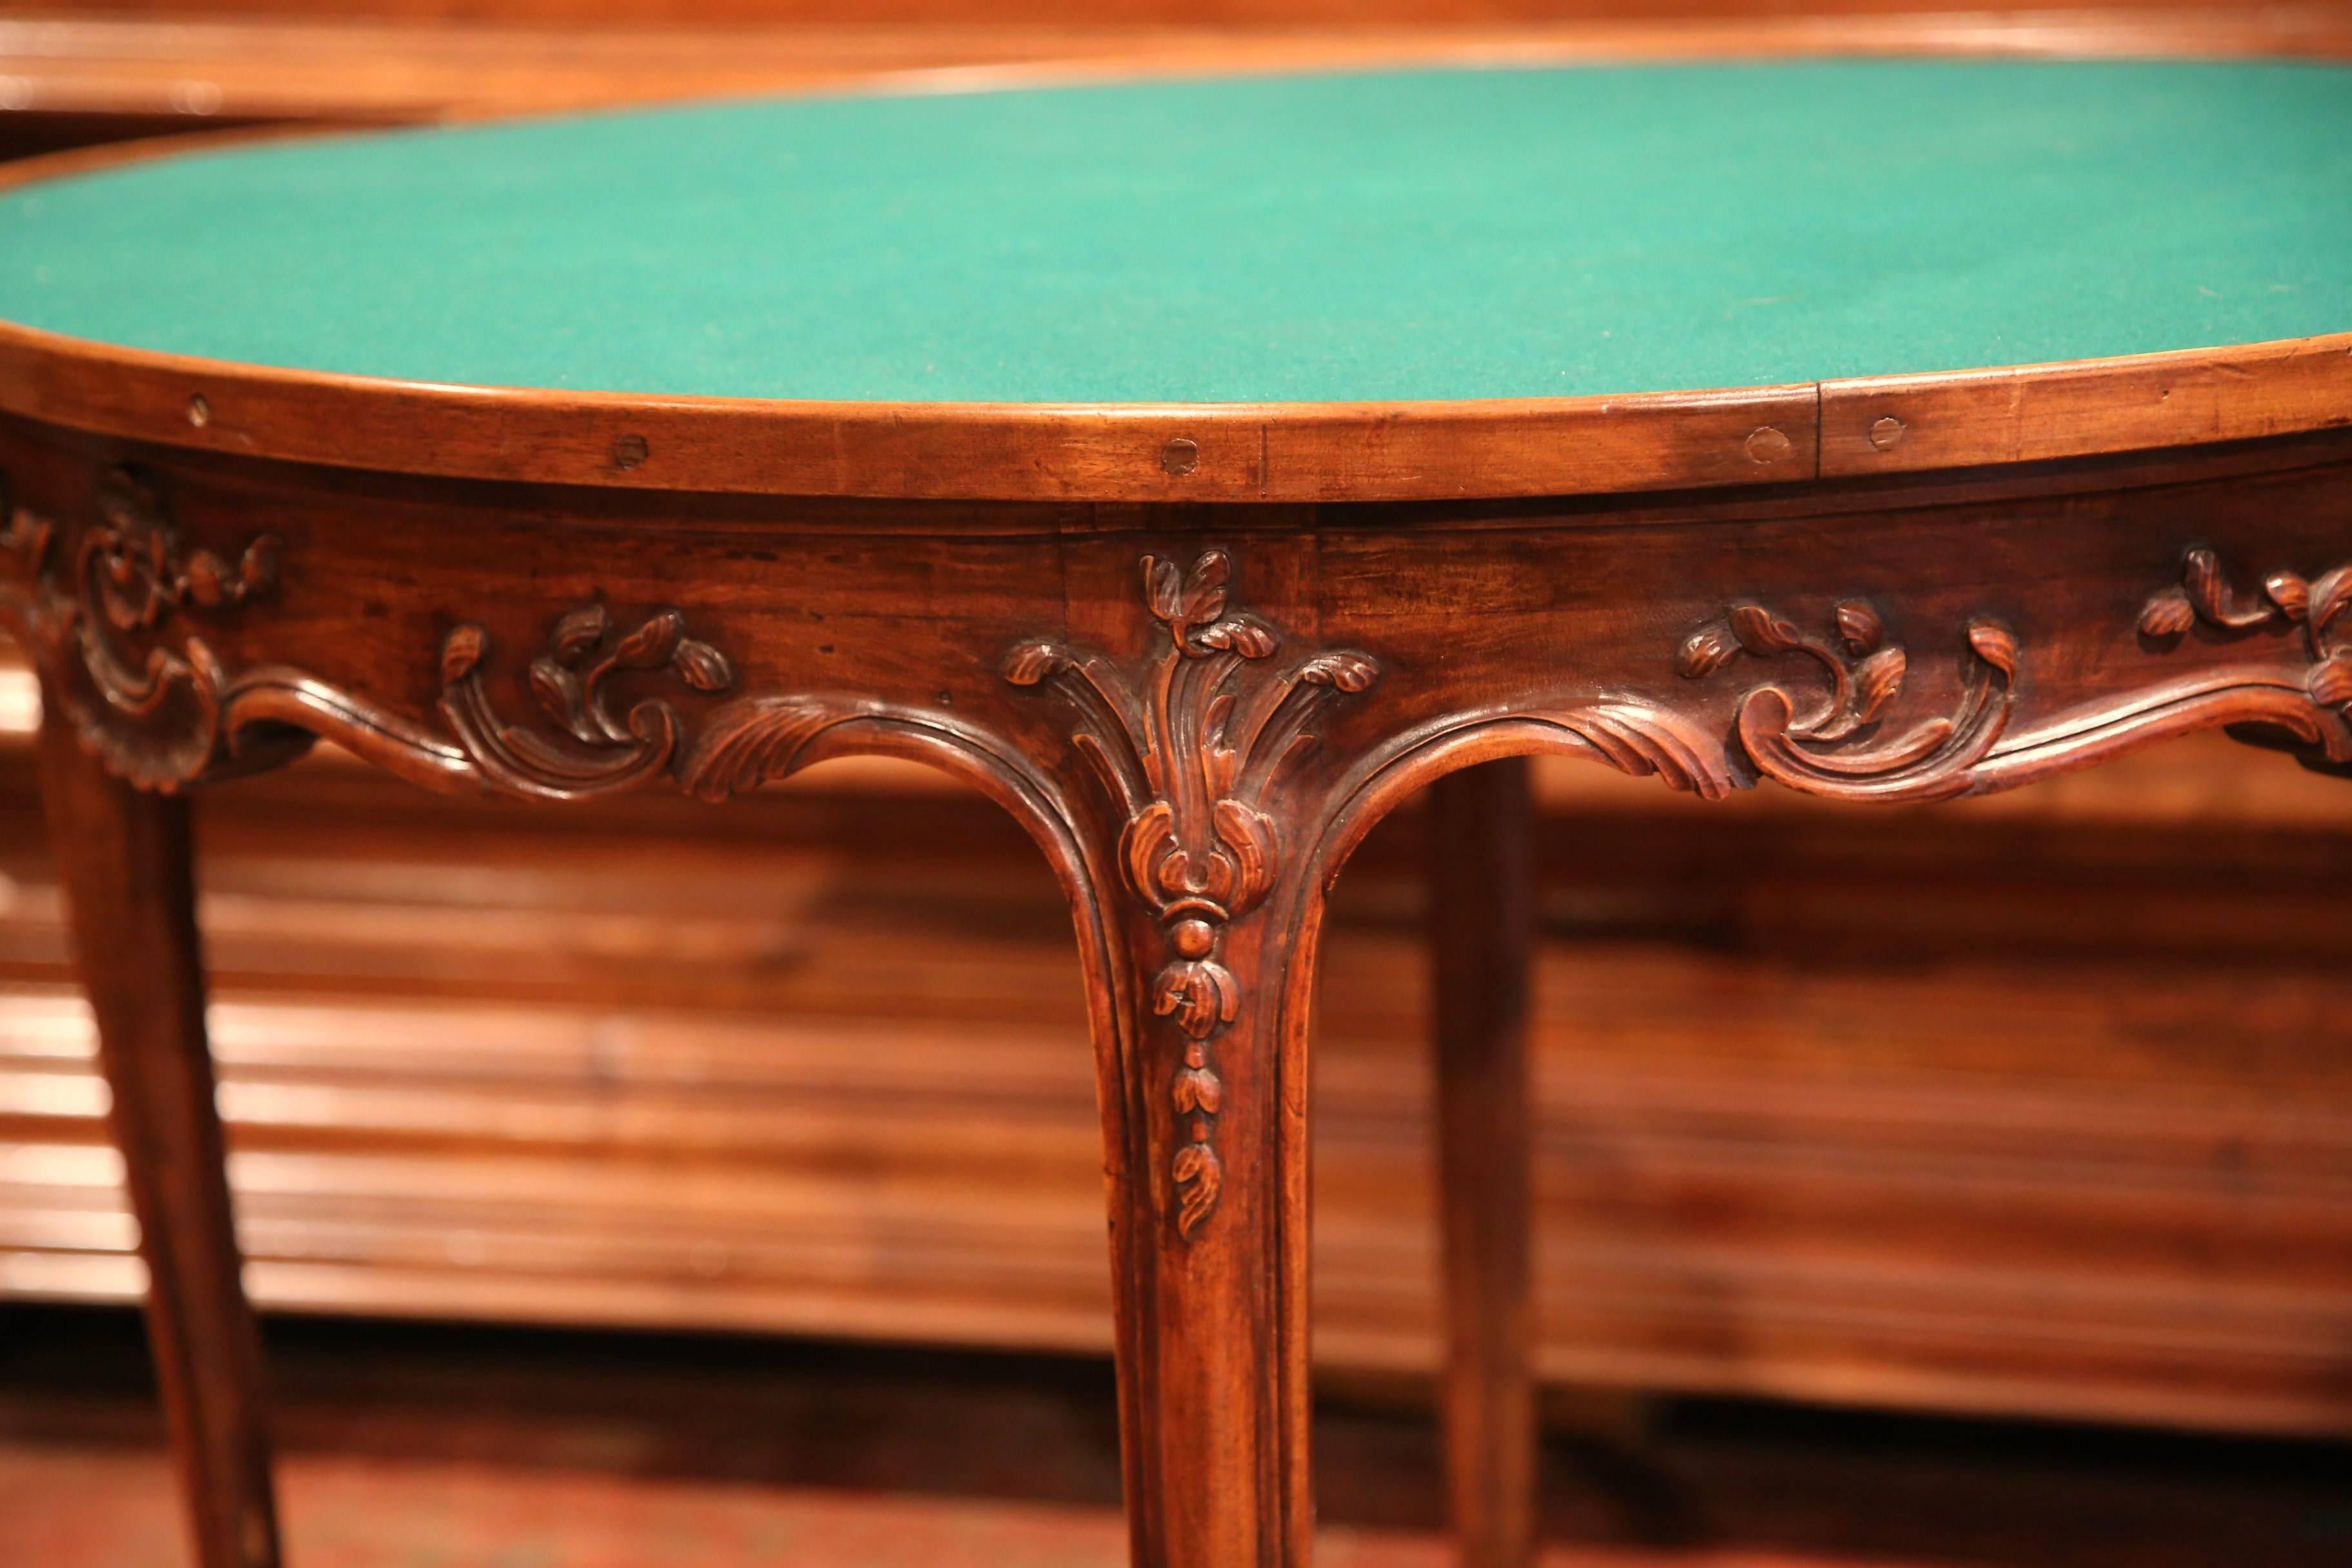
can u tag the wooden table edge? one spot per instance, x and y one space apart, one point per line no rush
1133 452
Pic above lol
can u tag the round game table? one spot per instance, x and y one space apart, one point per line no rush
1198 468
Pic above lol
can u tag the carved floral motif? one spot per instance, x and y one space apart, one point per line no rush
1826 746
2204 594
1190 749
591 745
150 702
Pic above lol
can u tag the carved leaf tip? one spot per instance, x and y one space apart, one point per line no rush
1858 627
2201 574
1182 598
1204 587
461 651
1163 589
1639 741
2330 682
560 696
1032 662
2168 614
753 741
1995 644
2290 593
1198 1089
1761 632
1248 836
652 643
1199 1179
1244 635
703 666
577 633
208 579
1148 846
2209 590
1703 652
1877 682
1199 994
2329 594
256 569
1345 670
28 532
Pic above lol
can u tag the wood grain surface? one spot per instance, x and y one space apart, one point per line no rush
1784 1170
1185 453
1196 714
126 855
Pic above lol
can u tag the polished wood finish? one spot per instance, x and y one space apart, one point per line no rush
1174 453
1196 710
125 858
1230 452
1482 922
193 615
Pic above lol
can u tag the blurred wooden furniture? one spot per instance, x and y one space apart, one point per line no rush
73 74
1211 1368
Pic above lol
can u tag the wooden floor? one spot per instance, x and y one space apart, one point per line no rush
414 1447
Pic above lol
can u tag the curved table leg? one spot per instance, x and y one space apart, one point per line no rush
1204 1126
1199 904
1482 918
124 858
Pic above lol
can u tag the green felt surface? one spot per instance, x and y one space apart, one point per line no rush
1449 234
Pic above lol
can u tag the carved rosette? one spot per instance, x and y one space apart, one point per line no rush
1830 744
108 618
2204 594
1191 747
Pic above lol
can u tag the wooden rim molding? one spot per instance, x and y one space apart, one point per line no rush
1210 452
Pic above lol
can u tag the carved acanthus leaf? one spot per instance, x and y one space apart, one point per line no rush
1189 747
1641 740
755 741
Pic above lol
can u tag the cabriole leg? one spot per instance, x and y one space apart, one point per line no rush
1199 912
1209 1223
124 858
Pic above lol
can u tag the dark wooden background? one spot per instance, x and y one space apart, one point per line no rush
2037 1106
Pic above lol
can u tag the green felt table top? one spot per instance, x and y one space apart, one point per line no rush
1435 234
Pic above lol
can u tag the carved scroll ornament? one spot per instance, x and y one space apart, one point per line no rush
1190 748
1827 746
108 620
108 614
1830 746
2203 595
589 744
